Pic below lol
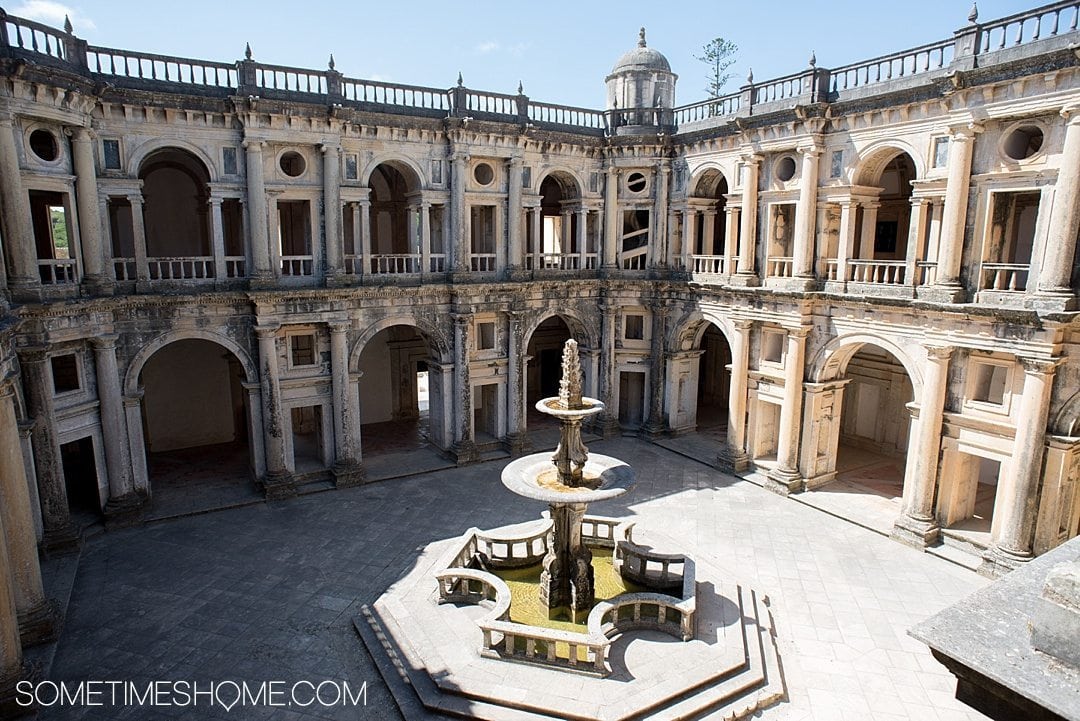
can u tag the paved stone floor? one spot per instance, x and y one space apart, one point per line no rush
268 591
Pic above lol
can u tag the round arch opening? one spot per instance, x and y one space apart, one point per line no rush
175 207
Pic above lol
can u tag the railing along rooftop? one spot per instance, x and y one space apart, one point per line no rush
976 45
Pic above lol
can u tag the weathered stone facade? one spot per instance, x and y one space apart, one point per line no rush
878 256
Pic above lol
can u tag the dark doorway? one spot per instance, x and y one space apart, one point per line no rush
80 477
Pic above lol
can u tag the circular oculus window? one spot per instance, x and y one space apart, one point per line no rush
785 168
1023 142
43 144
636 182
292 164
483 174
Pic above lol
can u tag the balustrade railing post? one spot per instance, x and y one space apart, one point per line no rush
74 48
246 77
5 43
458 95
967 42
522 106
333 81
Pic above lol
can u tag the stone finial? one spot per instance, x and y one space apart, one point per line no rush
521 88
570 385
813 59
68 28
750 77
460 80
641 37
973 16
331 63
247 51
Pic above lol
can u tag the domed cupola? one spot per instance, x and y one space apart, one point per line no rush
641 80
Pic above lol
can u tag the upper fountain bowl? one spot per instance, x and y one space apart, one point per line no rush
553 407
534 476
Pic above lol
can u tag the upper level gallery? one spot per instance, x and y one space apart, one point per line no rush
934 173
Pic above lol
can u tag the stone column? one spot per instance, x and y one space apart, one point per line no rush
612 228
916 240
917 525
60 535
347 470
87 203
785 478
566 241
805 217
465 445
515 384
734 458
277 483
1055 274
365 237
731 236
659 240
332 213
123 506
708 232
425 237
459 241
136 442
37 616
951 246
690 241
748 229
262 275
513 214
217 242
538 237
846 242
582 224
1015 516
869 231
609 418
354 209
656 423
138 234
18 230
11 670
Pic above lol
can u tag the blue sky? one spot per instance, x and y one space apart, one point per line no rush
561 51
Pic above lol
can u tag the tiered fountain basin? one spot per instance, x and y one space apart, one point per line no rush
550 644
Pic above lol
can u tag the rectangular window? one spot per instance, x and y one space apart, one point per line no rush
436 172
635 327
111 152
772 346
302 350
485 336
65 373
526 176
232 226
228 160
941 152
594 182
351 167
49 217
294 227
989 383
836 169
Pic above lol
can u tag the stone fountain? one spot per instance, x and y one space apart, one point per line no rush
568 481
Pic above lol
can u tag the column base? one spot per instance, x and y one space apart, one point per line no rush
99 286
262 281
516 444
653 430
332 279
61 541
799 284
519 275
460 276
1062 301
915 532
810 484
997 562
348 475
40 624
278 485
123 512
942 293
608 427
25 293
744 280
465 452
730 460
783 482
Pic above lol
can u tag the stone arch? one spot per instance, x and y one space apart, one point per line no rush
409 169
578 327
131 378
872 160
706 181
1067 420
144 151
830 362
569 180
686 334
439 344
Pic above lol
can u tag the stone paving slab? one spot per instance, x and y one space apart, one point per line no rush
269 591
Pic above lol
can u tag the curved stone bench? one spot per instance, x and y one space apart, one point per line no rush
512 549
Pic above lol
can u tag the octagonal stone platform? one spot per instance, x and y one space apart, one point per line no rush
428 655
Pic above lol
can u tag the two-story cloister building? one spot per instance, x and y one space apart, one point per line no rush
871 264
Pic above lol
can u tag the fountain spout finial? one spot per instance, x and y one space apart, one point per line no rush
570 385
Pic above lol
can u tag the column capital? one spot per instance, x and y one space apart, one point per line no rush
751 158
798 331
329 148
514 160
339 326
964 132
134 399
81 134
743 324
253 145
267 331
105 342
33 354
461 318
940 352
810 150
1071 113
1039 366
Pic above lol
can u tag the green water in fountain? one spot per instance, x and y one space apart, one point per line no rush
524 584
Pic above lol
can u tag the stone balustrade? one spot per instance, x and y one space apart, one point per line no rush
513 550
59 271
1007 277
